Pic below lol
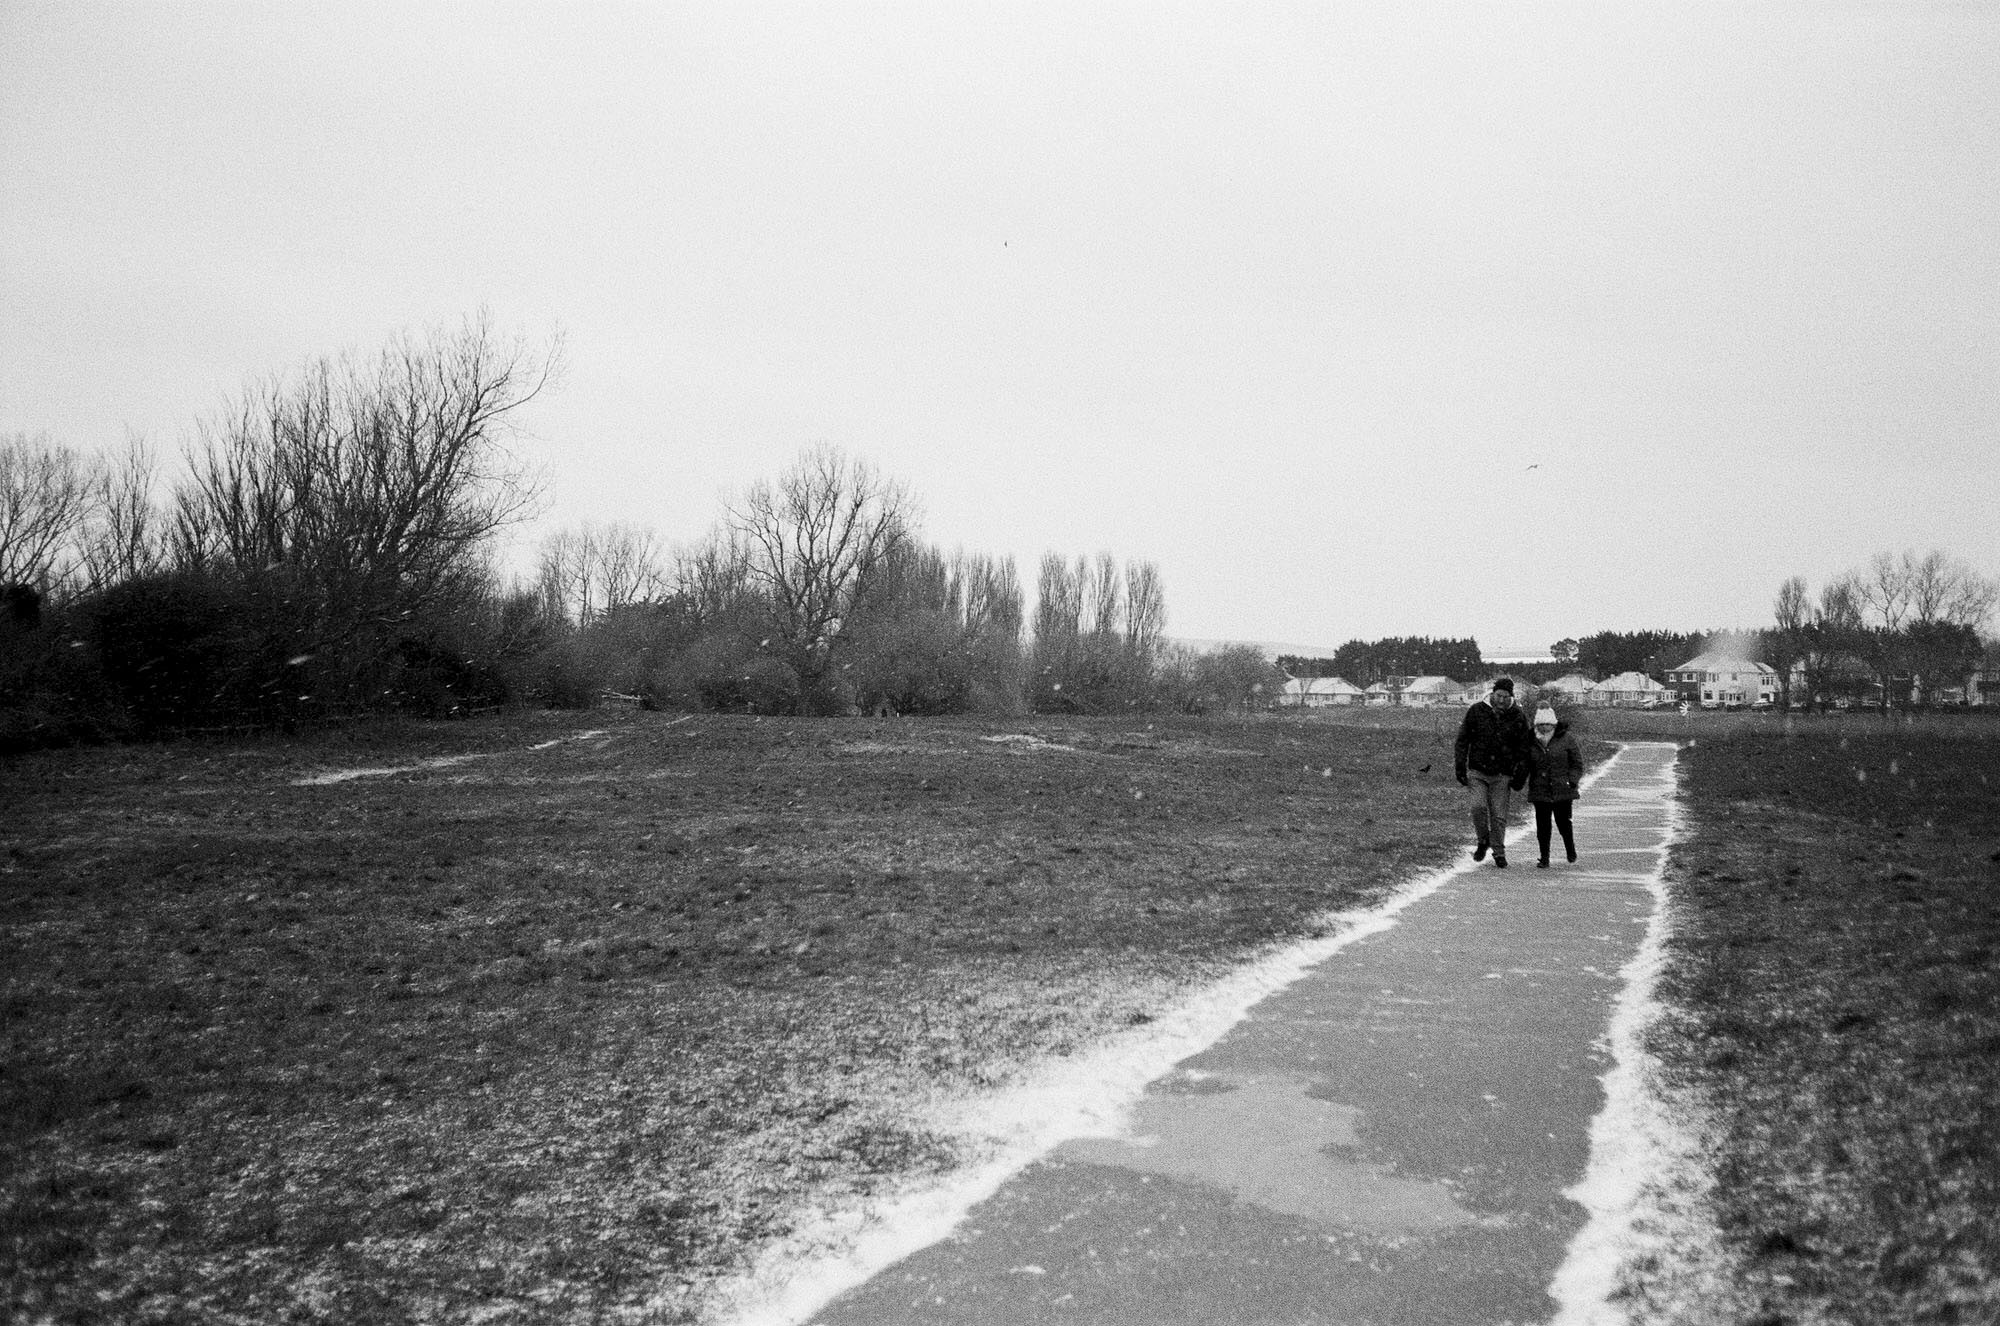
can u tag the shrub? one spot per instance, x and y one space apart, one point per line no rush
771 686
567 674
177 650
52 690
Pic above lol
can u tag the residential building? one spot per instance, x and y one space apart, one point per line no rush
1716 680
1319 692
1389 690
1631 690
1571 689
1430 692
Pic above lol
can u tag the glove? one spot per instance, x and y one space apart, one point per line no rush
1463 781
1516 784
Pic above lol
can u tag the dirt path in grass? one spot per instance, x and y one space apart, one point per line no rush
1413 1126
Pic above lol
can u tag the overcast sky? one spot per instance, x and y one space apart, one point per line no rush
1358 319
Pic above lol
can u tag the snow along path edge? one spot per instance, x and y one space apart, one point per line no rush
1088 1095
1645 1185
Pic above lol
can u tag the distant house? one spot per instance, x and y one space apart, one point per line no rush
1572 688
1389 690
1629 690
1430 692
1319 692
1714 680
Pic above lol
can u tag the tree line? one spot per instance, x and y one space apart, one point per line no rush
329 548
1898 631
1365 662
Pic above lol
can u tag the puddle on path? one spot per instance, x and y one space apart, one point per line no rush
1270 1142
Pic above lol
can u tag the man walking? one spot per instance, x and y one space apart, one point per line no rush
1491 755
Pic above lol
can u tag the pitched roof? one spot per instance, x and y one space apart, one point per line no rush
1433 686
1716 661
1630 681
1320 686
1575 681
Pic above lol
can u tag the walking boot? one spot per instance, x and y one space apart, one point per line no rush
1499 858
1542 864
1479 852
1571 849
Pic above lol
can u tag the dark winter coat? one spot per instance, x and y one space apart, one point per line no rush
1555 771
1493 742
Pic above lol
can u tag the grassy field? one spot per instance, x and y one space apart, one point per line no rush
552 1017
543 1026
1836 981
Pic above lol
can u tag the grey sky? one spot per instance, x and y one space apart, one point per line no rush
1286 298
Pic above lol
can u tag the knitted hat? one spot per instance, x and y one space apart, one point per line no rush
1504 684
1545 715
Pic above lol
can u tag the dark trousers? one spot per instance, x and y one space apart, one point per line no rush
1558 812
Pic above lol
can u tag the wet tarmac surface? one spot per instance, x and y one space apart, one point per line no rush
1388 1140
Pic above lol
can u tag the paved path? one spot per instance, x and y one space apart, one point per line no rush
1386 1140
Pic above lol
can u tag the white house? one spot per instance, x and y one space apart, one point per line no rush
1572 688
1389 690
1319 692
1629 690
1715 680
1429 692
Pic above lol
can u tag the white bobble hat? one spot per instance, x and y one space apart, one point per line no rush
1545 715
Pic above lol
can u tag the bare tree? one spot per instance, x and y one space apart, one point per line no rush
815 538
1785 643
1919 619
592 571
1145 613
989 595
45 502
562 580
371 489
1946 591
1106 596
711 579
125 535
1885 589
630 567
1058 604
1949 603
1832 637
1059 597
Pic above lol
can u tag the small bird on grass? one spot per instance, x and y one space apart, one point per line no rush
1425 769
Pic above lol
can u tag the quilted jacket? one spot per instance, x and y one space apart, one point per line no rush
1493 742
1555 771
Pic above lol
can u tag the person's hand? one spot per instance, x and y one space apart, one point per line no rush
1463 781
1516 784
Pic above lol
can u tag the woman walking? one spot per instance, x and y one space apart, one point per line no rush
1554 775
